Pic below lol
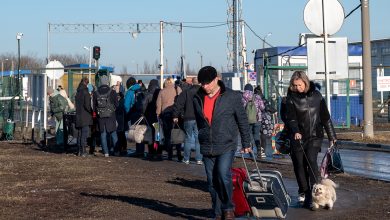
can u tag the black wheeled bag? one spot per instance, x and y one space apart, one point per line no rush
267 196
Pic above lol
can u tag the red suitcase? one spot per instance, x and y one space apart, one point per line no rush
240 202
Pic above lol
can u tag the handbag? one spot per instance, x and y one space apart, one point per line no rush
331 163
282 142
177 135
140 133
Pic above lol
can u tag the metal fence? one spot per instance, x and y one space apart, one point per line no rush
346 95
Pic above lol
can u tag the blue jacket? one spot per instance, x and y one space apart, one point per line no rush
129 97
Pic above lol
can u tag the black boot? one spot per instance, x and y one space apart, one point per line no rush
308 200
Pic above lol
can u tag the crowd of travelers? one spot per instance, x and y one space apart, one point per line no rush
104 114
213 117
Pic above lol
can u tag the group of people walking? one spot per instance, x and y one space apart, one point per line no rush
213 117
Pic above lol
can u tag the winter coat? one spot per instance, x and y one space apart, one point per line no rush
229 119
166 99
307 114
129 103
184 105
149 104
83 107
130 97
258 101
120 114
110 122
58 105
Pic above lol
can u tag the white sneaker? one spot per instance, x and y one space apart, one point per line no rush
199 162
186 161
301 197
106 155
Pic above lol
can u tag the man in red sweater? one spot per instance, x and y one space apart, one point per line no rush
220 117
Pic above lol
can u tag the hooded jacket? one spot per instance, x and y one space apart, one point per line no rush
307 114
83 107
229 119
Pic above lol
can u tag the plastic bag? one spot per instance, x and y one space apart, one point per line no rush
140 133
177 135
331 163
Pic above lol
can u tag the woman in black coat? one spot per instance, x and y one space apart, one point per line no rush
83 115
307 115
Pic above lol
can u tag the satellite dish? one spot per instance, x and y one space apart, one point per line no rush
54 69
313 16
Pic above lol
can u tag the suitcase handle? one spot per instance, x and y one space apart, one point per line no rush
262 185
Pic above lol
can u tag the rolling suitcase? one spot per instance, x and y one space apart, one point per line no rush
266 194
241 206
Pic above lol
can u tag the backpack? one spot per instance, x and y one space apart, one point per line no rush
104 108
58 106
251 111
139 97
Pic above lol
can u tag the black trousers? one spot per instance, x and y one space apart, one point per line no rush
306 169
167 120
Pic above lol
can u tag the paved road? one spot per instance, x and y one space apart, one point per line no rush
361 161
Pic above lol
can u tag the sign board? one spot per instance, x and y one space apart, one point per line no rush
383 83
318 12
54 69
337 58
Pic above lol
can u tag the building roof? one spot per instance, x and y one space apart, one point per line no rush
353 50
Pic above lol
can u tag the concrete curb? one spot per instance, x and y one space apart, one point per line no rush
351 145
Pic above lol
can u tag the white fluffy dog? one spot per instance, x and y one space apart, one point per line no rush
324 194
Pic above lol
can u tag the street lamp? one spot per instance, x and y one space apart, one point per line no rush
89 49
201 59
2 69
18 38
269 34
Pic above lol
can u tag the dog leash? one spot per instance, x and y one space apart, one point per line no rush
307 159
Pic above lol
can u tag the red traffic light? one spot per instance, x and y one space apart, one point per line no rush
96 52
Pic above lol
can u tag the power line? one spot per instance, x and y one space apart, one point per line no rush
360 5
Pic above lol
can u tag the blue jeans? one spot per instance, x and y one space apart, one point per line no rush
219 180
255 136
103 139
191 138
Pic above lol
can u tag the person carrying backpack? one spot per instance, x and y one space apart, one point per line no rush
254 105
105 102
58 105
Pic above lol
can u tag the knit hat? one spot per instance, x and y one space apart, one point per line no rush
104 80
207 74
248 87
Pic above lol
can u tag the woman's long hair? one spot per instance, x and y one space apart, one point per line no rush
302 76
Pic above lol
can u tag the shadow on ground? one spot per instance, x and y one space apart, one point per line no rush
158 206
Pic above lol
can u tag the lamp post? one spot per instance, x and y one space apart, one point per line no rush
89 49
267 35
201 59
2 69
18 38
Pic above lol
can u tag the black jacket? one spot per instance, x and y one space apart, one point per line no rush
307 114
110 122
149 104
184 105
83 107
229 119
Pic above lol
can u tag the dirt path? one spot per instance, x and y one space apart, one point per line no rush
44 185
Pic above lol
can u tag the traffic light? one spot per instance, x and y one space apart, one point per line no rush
96 52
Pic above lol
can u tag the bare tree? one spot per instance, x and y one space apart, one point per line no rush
66 59
124 71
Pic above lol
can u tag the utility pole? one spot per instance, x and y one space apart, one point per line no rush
367 81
